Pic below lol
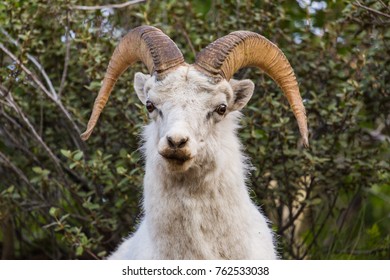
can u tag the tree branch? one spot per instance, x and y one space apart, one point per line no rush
357 4
297 214
54 97
34 61
67 54
22 176
188 39
19 111
384 5
17 141
110 6
8 163
28 72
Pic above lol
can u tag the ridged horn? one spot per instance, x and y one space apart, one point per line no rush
144 43
225 56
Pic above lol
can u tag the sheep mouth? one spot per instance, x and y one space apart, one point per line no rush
176 158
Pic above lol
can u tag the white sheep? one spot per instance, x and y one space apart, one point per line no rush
196 204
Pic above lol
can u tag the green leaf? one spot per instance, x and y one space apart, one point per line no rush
121 170
37 169
102 254
54 212
73 165
79 250
66 153
78 155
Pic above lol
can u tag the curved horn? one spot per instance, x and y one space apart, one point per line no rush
144 43
225 56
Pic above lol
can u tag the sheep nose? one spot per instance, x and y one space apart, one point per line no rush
177 142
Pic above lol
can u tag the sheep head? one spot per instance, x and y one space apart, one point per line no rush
191 116
191 105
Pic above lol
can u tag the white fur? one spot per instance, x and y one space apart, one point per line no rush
199 209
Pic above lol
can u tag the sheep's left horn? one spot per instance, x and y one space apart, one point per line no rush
144 43
225 56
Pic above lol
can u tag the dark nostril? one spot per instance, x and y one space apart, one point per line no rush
171 142
182 142
177 143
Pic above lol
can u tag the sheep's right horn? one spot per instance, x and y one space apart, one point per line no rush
144 43
225 56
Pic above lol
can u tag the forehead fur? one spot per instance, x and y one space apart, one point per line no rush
186 80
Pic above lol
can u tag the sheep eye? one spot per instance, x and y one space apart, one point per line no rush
221 109
150 106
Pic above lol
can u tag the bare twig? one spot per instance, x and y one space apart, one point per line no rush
28 72
67 54
16 140
17 171
292 219
317 232
384 5
91 254
300 210
110 6
357 4
34 61
5 160
188 40
19 111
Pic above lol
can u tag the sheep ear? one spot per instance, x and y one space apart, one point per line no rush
242 92
139 86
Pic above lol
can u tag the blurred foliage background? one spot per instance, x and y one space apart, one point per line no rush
61 198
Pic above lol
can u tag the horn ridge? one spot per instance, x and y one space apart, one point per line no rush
226 55
165 54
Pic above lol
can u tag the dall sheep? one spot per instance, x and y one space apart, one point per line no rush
195 202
